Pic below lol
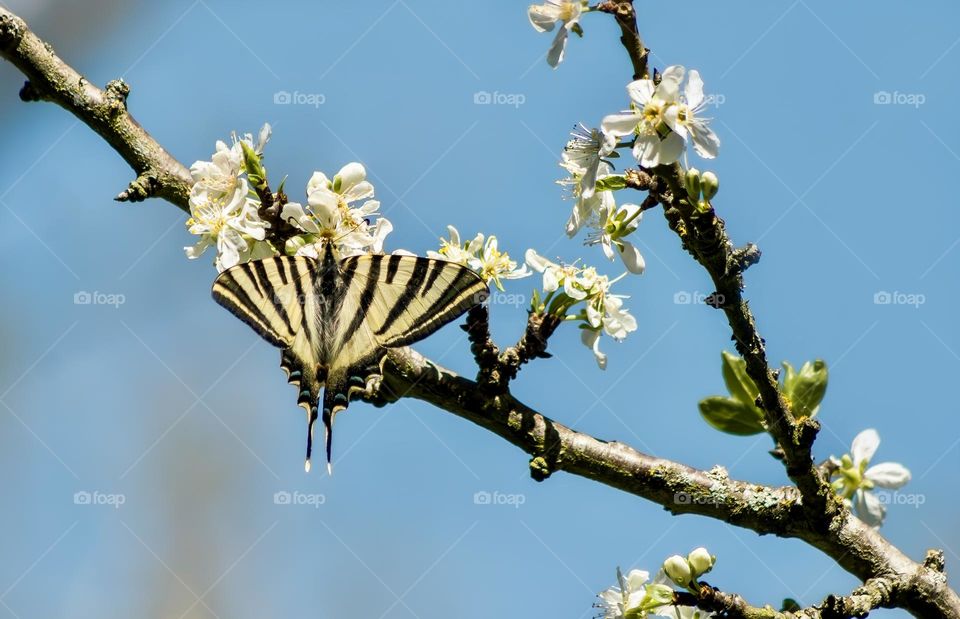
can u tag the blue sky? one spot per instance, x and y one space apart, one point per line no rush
177 407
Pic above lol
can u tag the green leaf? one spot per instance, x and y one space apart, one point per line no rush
613 182
790 605
732 416
740 385
805 388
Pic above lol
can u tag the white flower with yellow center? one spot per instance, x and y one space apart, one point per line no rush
452 250
544 17
229 221
856 478
480 254
333 212
684 118
585 153
610 231
654 142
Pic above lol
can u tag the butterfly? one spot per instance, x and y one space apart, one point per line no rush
335 319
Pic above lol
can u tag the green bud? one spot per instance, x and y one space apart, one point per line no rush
678 569
252 165
700 561
692 182
710 184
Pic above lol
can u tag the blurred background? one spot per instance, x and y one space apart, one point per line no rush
144 439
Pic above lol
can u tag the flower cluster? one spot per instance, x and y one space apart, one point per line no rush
855 480
664 117
635 598
340 209
567 285
481 254
225 211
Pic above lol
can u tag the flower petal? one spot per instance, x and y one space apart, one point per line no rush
705 141
641 91
632 259
620 124
543 17
891 475
865 445
557 49
693 91
869 508
591 339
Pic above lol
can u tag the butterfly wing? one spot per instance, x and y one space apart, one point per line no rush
386 302
276 297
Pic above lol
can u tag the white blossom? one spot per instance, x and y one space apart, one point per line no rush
857 478
662 119
339 209
654 143
227 220
617 223
684 118
544 17
603 311
482 255
584 153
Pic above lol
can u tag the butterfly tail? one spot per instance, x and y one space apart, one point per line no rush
308 385
336 397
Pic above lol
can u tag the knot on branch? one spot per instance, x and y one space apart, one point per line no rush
745 257
11 31
115 96
539 468
935 560
146 185
29 93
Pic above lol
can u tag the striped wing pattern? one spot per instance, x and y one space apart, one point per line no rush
335 320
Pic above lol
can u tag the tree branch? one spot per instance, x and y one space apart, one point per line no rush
104 111
920 588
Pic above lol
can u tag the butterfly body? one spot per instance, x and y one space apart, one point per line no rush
335 319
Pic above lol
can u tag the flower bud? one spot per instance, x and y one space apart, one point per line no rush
710 184
678 570
692 183
700 561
